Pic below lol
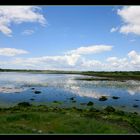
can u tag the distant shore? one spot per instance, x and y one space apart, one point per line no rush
106 75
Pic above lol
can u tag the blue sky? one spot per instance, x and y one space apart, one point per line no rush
70 37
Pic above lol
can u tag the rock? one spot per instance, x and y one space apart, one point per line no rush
136 113
74 101
109 109
24 104
137 100
83 103
39 131
90 103
93 110
72 98
103 98
135 106
115 97
56 101
37 92
32 99
32 88
120 112
34 130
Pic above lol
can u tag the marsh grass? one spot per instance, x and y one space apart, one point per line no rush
45 120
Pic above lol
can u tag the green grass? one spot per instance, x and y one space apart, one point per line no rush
115 75
54 120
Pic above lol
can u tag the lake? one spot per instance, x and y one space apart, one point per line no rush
17 87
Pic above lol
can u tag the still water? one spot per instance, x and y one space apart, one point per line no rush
19 87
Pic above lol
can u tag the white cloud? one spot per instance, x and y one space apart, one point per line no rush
132 62
55 61
117 63
11 51
72 59
28 32
135 58
131 18
91 63
72 62
114 29
91 49
17 15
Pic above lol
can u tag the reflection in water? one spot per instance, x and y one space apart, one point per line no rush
134 90
11 90
62 86
81 88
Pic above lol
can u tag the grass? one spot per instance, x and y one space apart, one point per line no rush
115 75
53 120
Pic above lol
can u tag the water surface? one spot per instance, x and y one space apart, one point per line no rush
16 87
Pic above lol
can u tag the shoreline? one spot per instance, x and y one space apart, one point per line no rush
104 75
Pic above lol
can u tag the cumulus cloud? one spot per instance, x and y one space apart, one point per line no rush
135 58
91 63
91 49
117 62
131 18
18 15
128 63
11 51
72 59
54 61
70 62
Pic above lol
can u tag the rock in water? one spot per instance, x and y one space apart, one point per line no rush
103 98
115 97
90 103
37 92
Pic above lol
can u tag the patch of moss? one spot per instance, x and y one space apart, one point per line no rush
24 104
90 103
109 109
57 102
74 101
83 103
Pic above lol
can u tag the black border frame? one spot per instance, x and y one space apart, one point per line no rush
70 2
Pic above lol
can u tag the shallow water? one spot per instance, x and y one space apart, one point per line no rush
17 87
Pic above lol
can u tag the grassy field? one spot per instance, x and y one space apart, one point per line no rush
29 119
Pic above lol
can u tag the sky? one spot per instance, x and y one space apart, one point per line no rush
95 38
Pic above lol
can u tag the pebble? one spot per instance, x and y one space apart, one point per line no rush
39 131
